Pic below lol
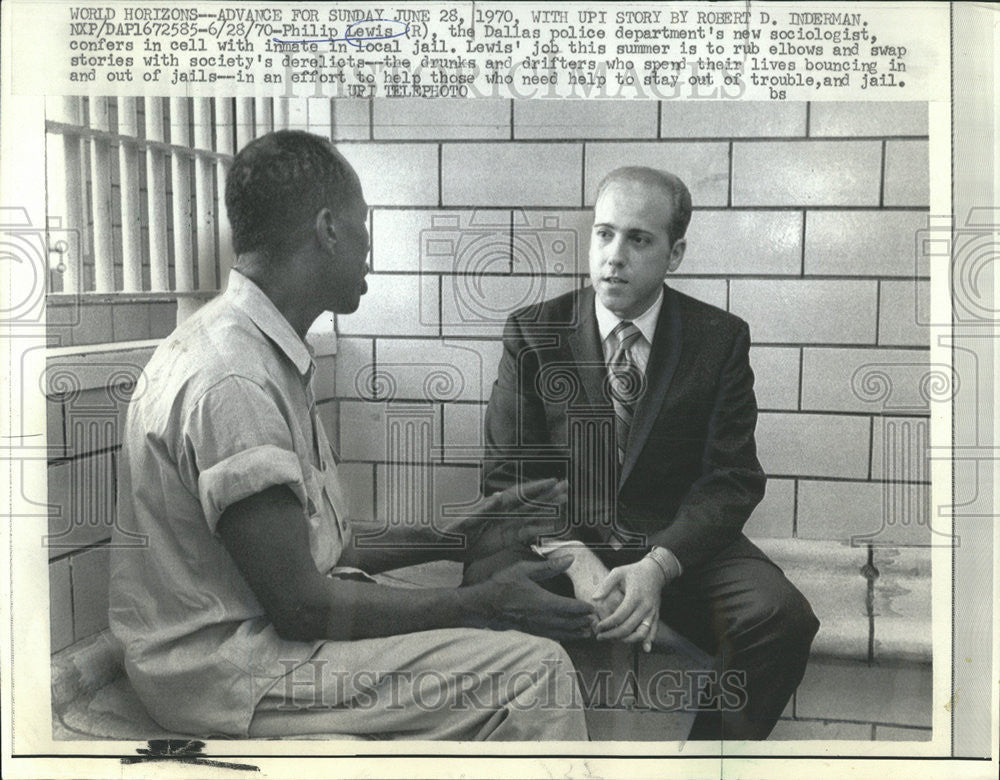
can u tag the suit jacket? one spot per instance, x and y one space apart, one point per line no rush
690 477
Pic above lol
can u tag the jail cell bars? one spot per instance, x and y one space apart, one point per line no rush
135 187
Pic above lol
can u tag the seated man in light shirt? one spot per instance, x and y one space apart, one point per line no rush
241 600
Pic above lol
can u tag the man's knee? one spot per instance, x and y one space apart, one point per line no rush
791 614
784 614
542 696
555 671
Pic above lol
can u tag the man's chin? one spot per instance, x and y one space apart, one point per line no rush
348 307
615 297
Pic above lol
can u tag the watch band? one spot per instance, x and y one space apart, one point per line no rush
662 558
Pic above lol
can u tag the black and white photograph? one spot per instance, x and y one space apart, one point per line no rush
606 384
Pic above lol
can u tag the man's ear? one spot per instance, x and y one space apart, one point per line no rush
676 254
326 234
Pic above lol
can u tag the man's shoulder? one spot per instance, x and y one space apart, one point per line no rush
215 344
562 310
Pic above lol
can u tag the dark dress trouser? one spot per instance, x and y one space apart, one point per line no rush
739 607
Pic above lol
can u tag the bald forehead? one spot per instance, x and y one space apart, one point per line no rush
644 201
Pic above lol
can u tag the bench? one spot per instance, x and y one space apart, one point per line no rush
873 604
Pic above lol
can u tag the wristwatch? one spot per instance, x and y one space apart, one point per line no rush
665 560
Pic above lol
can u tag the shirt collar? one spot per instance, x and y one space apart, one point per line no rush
243 294
645 322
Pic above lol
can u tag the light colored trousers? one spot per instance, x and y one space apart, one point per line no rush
448 684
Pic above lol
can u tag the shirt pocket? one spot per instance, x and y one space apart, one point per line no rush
328 531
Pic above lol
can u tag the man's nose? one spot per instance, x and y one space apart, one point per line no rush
614 254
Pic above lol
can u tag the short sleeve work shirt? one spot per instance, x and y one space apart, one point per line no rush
225 411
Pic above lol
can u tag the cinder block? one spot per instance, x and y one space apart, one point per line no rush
820 730
903 307
325 377
378 432
901 448
867 380
902 604
444 495
349 119
463 432
479 306
162 319
902 734
711 291
775 376
395 174
863 512
357 481
81 501
552 242
808 311
497 174
329 416
898 693
806 173
773 516
55 427
731 119
453 241
744 242
395 306
864 243
438 371
95 419
60 322
844 118
703 166
421 119
456 492
94 326
907 173
130 321
585 119
425 494
90 592
60 606
816 445
354 368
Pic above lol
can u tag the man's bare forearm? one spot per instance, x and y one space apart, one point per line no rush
268 540
331 608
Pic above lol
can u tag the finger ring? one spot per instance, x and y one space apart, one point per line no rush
645 623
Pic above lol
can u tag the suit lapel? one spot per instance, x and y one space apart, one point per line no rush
585 343
663 360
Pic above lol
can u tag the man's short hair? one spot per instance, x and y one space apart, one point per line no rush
277 185
675 189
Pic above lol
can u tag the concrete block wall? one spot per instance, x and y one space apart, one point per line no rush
805 224
87 396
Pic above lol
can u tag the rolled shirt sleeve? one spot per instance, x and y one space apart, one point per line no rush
238 442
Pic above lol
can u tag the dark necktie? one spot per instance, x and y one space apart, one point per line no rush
626 383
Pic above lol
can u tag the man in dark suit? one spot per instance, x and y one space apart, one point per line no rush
643 397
